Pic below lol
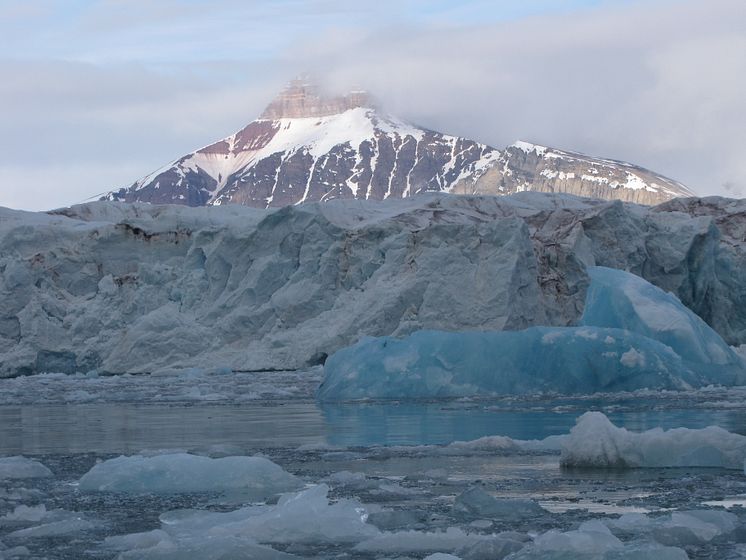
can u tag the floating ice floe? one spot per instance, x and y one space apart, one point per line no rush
7 553
593 541
476 503
680 528
402 542
632 336
38 522
256 477
159 545
21 467
595 442
306 517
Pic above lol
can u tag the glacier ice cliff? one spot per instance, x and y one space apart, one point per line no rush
130 288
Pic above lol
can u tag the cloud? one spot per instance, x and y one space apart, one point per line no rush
656 83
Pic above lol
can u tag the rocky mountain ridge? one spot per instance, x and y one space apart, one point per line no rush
308 147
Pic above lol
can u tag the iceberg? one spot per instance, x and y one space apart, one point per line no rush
596 442
171 473
621 300
633 336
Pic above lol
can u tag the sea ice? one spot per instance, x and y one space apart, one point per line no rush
181 472
593 541
49 523
402 542
24 513
158 545
679 528
13 553
306 517
595 442
476 503
21 467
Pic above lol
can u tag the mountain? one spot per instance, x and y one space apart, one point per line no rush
308 147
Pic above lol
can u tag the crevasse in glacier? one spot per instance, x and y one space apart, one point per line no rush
632 336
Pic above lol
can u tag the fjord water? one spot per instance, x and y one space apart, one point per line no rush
394 457
106 428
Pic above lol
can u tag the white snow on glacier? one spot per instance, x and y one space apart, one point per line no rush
634 336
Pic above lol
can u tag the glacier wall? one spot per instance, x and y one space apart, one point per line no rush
135 288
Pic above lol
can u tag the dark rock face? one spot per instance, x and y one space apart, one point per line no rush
307 148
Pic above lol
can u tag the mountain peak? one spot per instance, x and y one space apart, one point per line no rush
302 98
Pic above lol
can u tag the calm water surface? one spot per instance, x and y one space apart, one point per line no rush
130 428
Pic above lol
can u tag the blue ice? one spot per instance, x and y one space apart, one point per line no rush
632 336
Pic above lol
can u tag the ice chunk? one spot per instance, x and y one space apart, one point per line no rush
416 541
593 541
15 552
494 548
182 472
24 513
308 517
158 545
55 523
680 528
621 300
595 442
21 467
475 503
441 556
302 517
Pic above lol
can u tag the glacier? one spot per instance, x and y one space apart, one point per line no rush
113 288
633 335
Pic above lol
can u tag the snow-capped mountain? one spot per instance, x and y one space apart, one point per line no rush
307 147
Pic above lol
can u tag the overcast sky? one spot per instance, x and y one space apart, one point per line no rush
97 93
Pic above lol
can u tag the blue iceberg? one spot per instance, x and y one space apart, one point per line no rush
621 300
632 336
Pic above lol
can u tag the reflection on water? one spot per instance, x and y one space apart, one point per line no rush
129 428
438 423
